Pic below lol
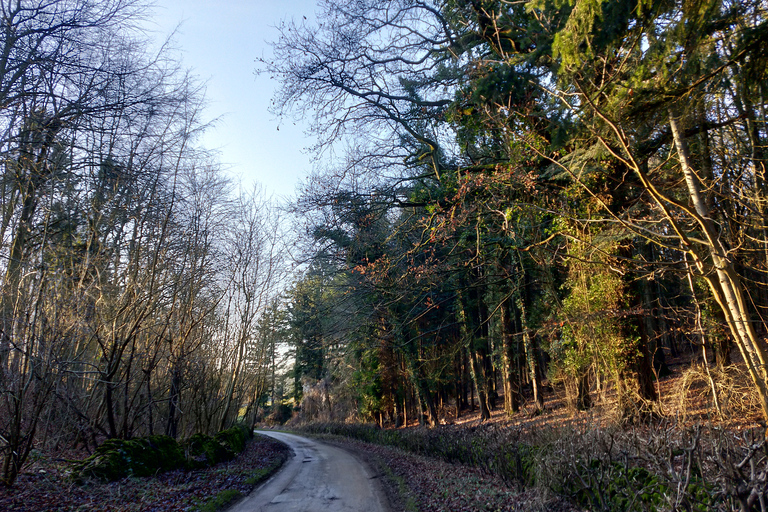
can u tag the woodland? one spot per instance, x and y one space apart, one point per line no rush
137 277
511 200
516 197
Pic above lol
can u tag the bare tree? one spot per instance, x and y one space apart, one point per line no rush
257 267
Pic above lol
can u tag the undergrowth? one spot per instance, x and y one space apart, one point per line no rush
48 485
400 487
658 467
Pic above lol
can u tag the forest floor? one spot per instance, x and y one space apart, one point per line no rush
685 396
46 485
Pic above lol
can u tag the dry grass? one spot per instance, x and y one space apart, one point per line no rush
725 395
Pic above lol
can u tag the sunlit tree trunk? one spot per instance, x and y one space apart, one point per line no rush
725 284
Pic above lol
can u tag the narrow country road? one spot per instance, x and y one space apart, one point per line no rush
318 478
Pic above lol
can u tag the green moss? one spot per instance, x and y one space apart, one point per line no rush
221 501
234 438
259 475
145 456
204 451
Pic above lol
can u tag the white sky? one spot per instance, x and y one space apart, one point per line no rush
220 41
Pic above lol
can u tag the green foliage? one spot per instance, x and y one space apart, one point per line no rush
601 485
552 139
593 339
615 487
306 317
366 383
591 27
146 456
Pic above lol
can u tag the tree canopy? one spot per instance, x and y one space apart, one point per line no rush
522 192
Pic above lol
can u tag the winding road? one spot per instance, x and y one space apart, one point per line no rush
319 477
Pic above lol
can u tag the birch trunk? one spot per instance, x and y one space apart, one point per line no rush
724 282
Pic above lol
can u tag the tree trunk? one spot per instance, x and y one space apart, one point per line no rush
109 387
477 377
510 378
583 400
528 342
172 427
725 284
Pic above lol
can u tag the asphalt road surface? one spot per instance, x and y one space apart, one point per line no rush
318 478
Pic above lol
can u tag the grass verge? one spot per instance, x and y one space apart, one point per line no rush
220 501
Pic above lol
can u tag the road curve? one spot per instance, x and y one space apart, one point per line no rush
319 477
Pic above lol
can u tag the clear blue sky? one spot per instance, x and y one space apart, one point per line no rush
220 41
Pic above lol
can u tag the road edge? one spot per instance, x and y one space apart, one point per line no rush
264 478
391 491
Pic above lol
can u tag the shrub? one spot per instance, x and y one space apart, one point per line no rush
145 456
279 414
